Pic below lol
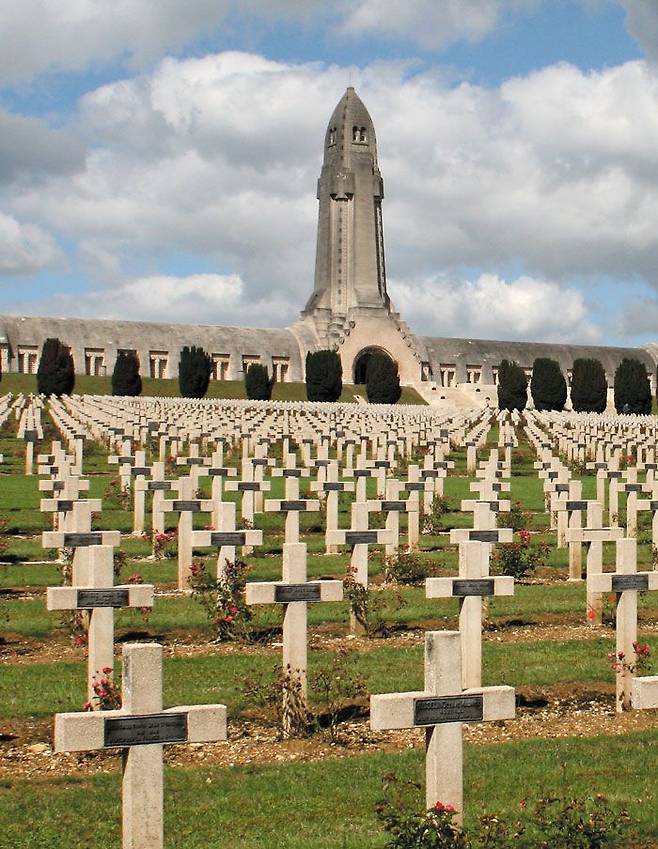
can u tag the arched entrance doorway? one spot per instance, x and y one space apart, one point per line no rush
361 362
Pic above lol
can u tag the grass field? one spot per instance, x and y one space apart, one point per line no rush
536 641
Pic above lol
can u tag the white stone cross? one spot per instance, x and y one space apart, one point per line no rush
186 506
226 537
97 594
625 582
295 592
140 728
441 709
473 584
331 488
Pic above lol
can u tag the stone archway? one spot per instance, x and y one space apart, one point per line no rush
361 360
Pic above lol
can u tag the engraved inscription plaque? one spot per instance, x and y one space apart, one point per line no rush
362 473
30 435
576 505
147 729
414 487
102 598
394 506
360 537
286 593
218 473
633 487
187 507
477 586
620 583
227 538
562 487
160 486
331 486
64 505
293 505
292 473
123 460
435 711
248 486
194 461
80 540
140 470
483 536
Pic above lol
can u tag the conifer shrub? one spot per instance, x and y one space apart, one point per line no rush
56 374
632 390
512 386
194 370
324 376
589 386
126 379
548 386
257 382
382 380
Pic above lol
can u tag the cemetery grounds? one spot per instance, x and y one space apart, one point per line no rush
256 789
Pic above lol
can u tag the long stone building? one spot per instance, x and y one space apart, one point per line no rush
349 309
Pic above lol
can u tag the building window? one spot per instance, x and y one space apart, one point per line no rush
220 363
249 360
4 358
95 362
494 374
27 357
332 136
359 134
159 364
280 369
448 374
425 372
473 374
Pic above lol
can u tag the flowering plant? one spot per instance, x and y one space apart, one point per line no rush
223 599
519 558
161 544
107 696
640 662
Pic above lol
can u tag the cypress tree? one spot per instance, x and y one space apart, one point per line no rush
324 376
632 390
512 386
548 386
125 377
589 387
257 383
56 374
382 380
194 370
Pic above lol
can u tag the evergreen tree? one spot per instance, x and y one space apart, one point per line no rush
194 370
324 376
257 383
125 377
632 390
589 387
512 386
382 380
548 386
56 374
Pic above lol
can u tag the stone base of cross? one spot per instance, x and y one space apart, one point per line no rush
441 709
140 728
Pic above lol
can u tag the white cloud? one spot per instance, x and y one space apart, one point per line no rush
493 308
197 299
431 23
642 24
555 174
25 248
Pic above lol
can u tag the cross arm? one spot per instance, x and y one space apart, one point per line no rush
595 534
462 587
606 582
299 505
469 505
271 592
83 598
63 505
494 535
212 539
370 537
57 539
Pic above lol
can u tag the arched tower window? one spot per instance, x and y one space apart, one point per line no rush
355 134
363 136
332 135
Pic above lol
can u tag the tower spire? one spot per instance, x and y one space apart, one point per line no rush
350 272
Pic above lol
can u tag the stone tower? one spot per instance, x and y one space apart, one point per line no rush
350 272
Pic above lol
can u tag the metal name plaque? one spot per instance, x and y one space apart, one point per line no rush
477 586
382 464
576 505
435 711
633 487
187 507
360 537
333 486
292 473
394 506
159 486
321 463
58 486
483 536
80 540
293 505
414 487
130 460
248 486
218 473
88 599
140 470
64 505
562 487
620 583
30 436
614 475
147 729
362 473
552 475
227 538
259 461
194 461
287 593
430 473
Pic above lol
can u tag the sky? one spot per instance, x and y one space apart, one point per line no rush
159 158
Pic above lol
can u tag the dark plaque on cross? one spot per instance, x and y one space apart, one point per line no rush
147 729
227 538
88 599
620 583
80 540
394 506
187 507
483 536
478 586
287 593
435 711
360 537
293 505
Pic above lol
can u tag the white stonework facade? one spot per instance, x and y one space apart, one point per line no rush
349 309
